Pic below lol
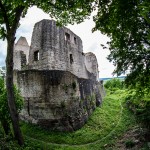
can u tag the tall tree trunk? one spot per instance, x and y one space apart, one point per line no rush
10 92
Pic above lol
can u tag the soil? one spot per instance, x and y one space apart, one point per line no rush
136 138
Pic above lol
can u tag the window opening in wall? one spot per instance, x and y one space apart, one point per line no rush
36 55
71 59
75 40
67 37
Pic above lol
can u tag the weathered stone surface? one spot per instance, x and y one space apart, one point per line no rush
60 83
91 64
55 51
57 99
21 53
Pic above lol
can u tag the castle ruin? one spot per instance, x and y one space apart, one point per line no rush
59 83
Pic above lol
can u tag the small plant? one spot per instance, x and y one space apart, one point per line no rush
93 97
65 87
71 94
129 144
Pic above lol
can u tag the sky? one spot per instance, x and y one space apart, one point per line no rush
91 41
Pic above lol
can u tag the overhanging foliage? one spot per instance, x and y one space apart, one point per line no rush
127 23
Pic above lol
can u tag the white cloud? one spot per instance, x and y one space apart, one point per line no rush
91 41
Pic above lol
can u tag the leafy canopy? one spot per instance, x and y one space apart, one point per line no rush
127 23
65 11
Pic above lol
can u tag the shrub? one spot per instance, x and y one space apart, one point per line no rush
5 118
139 105
129 144
114 84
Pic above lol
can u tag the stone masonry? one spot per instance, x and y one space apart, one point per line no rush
59 83
21 53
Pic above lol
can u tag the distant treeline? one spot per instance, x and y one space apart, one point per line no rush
120 77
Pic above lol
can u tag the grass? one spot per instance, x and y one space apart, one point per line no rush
102 130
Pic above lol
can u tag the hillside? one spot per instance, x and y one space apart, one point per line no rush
110 127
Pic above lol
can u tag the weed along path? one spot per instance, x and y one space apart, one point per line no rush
105 125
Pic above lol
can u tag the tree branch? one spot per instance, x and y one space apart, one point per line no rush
4 16
49 3
18 13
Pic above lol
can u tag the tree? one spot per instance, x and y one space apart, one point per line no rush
127 23
66 11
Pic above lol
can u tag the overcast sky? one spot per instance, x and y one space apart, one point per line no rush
91 41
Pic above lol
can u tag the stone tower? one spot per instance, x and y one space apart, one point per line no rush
21 53
56 48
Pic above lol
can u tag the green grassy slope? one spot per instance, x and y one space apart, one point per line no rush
101 132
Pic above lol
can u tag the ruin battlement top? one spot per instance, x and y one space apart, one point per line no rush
54 23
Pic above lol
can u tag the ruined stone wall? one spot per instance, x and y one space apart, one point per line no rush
57 48
21 53
92 64
17 60
57 100
60 83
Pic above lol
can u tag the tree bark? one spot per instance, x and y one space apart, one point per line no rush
10 91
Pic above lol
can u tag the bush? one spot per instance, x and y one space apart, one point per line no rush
5 118
114 84
129 144
140 106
